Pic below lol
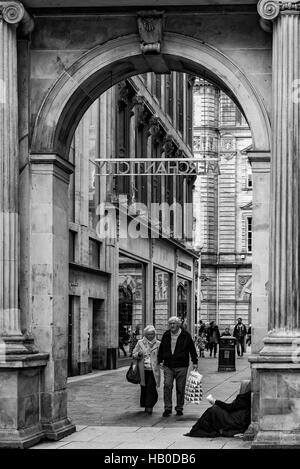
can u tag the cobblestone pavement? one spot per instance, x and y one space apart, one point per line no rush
105 409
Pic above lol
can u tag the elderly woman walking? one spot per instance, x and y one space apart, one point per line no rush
145 352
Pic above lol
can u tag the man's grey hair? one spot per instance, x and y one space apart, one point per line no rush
174 319
149 328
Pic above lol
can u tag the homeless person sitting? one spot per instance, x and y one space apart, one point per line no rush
224 419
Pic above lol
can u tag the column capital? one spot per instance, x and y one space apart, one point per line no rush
13 12
270 9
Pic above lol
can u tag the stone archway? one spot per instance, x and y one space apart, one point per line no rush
64 105
105 65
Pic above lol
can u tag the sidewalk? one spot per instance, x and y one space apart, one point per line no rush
105 409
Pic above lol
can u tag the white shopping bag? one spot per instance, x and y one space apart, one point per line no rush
193 388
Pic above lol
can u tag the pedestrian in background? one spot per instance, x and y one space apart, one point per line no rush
201 344
248 341
213 338
201 327
176 348
239 332
226 332
145 352
206 329
134 337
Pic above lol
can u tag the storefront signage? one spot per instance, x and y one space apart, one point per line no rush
184 266
156 166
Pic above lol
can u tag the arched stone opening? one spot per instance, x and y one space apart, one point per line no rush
105 65
56 121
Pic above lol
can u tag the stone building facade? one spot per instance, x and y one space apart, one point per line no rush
119 284
223 208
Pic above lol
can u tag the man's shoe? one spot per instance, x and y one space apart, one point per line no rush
167 412
179 412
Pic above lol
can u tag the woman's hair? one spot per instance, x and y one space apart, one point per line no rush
149 328
174 319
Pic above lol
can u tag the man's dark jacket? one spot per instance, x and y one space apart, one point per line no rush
184 347
243 331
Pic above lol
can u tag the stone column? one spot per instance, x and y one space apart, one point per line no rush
49 258
11 14
276 370
260 164
20 364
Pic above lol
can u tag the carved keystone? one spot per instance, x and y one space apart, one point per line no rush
150 24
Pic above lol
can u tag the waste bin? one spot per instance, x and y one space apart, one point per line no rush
227 353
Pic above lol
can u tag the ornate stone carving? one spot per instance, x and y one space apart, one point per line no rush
228 144
243 285
180 153
155 130
169 146
125 95
228 148
228 156
270 9
142 113
150 24
15 13
12 12
205 143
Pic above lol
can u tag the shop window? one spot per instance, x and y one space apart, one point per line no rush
131 305
182 292
161 313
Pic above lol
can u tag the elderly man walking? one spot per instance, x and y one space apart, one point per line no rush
174 354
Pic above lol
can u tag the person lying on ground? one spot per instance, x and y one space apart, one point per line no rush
224 419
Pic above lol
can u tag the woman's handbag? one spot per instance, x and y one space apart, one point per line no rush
133 375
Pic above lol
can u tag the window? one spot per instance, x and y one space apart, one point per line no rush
169 95
72 235
249 176
131 304
72 184
94 253
93 122
157 79
179 102
162 298
249 234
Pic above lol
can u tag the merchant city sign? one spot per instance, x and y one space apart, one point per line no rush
156 166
